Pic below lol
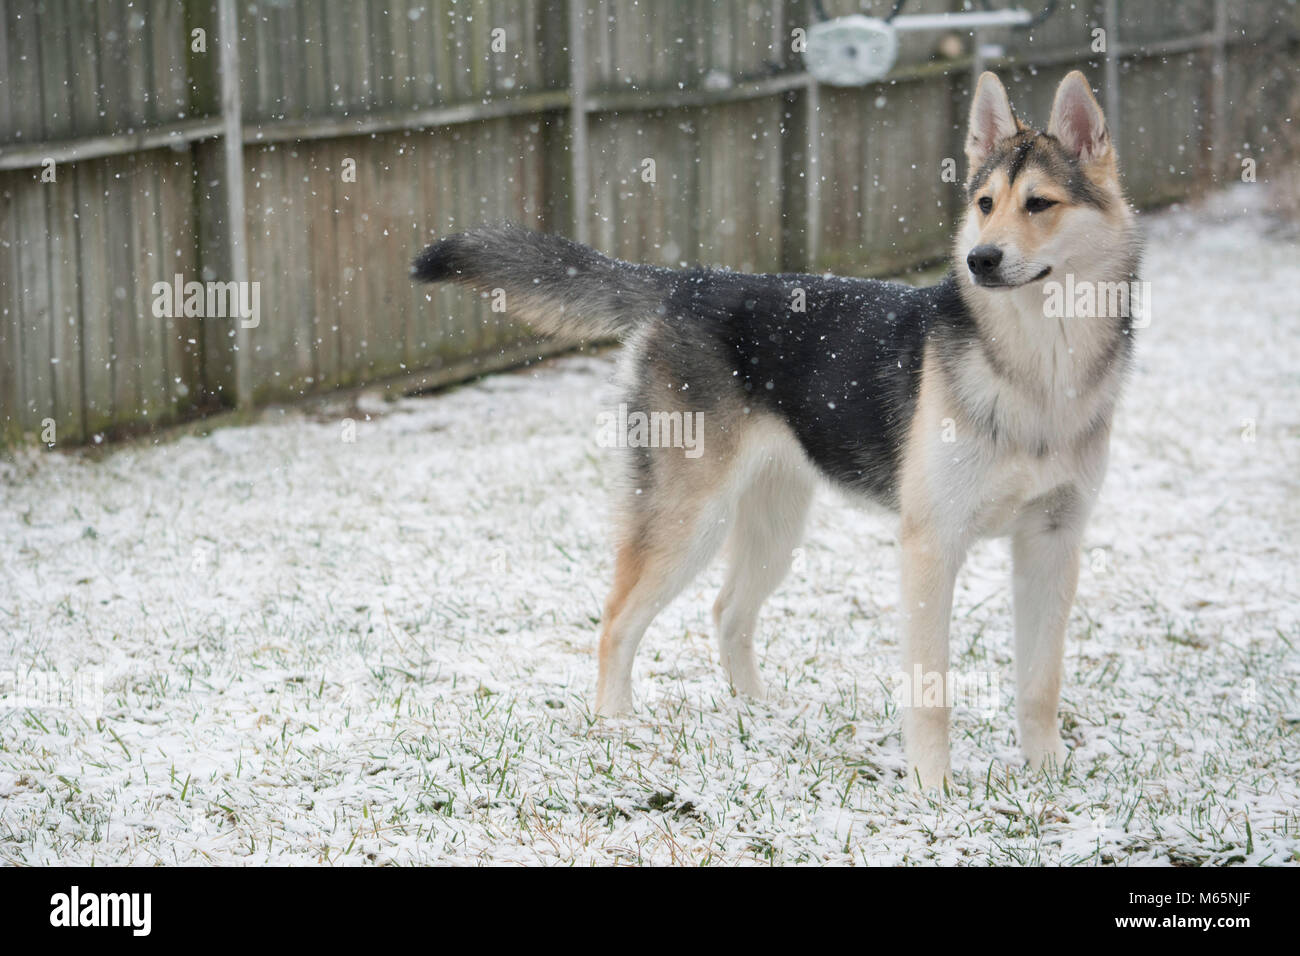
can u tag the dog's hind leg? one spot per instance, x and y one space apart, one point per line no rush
660 554
769 524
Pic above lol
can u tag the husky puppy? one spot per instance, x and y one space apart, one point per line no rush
969 407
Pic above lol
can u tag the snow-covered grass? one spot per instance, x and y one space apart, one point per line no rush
321 651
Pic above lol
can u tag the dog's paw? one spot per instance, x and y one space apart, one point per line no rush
1046 754
749 683
930 779
614 704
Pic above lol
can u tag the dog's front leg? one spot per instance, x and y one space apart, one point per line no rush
1045 557
929 571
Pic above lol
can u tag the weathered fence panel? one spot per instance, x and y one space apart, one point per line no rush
704 142
305 59
332 256
81 344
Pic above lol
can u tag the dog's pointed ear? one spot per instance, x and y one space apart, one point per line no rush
991 120
1077 121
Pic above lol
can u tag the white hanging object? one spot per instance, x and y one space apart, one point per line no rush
857 50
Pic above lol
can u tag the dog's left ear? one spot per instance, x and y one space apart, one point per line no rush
1077 121
991 120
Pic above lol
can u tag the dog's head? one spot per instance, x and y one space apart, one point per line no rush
1039 204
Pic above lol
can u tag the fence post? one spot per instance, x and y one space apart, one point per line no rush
813 210
232 147
579 186
1110 20
1219 94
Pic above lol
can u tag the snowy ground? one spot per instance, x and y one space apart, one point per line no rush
315 651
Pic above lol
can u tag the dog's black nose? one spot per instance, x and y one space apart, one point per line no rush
984 260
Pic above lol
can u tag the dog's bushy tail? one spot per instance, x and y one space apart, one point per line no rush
553 283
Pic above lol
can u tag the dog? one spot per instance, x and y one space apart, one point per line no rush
964 406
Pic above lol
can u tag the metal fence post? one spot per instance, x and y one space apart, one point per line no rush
579 181
1219 94
232 135
1110 20
813 211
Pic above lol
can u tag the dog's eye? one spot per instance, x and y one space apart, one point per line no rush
986 204
1038 204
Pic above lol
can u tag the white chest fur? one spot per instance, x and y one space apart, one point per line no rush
1011 422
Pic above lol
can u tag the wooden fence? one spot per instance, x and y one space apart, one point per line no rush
215 140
